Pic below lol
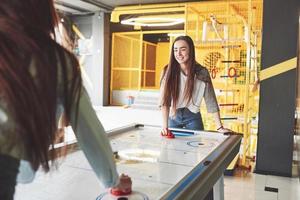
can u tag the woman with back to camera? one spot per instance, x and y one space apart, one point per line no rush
39 79
184 84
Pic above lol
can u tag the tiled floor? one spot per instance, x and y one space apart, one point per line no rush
251 186
242 186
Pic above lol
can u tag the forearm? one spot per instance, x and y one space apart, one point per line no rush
94 142
165 110
217 119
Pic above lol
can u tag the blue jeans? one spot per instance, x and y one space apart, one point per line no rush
184 118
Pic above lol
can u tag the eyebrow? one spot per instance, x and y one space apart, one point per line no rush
180 47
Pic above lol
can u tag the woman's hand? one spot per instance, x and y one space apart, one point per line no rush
164 131
124 187
224 130
167 133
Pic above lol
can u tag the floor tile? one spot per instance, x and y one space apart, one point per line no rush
292 194
248 181
247 194
284 183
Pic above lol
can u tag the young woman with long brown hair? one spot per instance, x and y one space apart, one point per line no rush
39 79
184 84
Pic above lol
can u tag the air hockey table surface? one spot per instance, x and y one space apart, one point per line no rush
185 167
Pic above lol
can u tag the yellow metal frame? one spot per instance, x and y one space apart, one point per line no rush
139 68
240 12
144 67
246 139
246 97
129 69
78 33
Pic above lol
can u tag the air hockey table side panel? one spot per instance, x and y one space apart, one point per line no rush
197 183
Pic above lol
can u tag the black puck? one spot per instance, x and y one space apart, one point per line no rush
122 198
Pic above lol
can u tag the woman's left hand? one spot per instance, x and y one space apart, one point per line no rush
124 187
224 130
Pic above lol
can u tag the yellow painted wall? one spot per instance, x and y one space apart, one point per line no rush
148 66
162 59
125 62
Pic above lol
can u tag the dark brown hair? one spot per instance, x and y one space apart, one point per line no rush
30 65
171 75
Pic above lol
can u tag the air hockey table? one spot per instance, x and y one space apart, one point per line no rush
186 167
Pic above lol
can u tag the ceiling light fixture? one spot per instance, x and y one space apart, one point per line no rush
175 34
153 21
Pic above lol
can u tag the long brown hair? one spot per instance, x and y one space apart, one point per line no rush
172 75
30 62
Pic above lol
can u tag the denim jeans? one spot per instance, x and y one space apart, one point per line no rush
184 118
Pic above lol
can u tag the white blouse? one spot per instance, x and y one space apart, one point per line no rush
201 90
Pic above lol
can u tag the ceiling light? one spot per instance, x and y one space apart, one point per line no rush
175 34
153 21
142 155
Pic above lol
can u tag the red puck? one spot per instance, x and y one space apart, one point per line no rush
117 192
170 134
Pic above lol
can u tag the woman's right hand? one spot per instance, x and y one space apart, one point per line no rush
167 133
164 131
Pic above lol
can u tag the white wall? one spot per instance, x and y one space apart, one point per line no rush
95 65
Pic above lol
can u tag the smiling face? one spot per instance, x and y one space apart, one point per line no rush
181 53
